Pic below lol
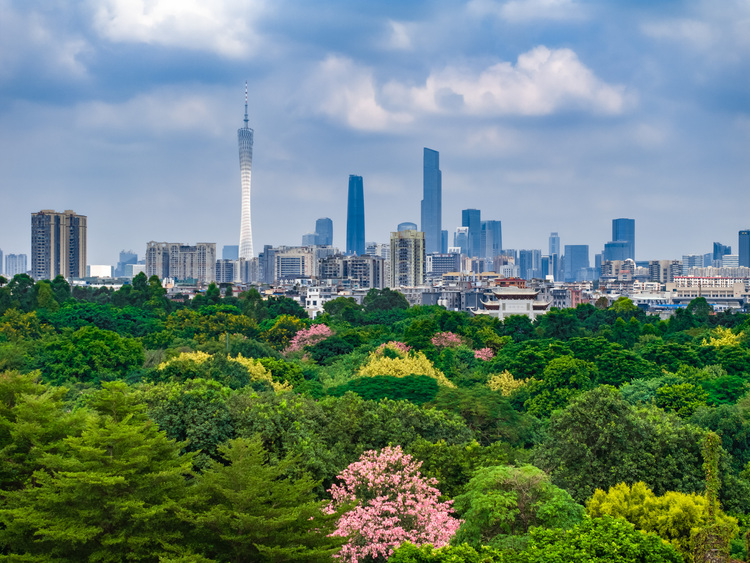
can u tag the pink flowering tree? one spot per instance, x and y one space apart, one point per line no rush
484 354
308 337
400 348
393 504
447 340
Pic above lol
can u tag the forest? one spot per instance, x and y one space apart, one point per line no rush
134 427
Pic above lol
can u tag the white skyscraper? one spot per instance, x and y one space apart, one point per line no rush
245 142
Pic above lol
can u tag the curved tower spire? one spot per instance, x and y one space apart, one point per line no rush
245 142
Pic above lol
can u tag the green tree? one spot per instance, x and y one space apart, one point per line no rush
409 553
45 297
682 398
114 494
700 308
61 289
247 509
384 300
502 503
562 379
622 305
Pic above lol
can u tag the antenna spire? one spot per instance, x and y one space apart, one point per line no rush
246 125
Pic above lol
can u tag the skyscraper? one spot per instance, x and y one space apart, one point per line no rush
554 244
58 245
324 232
407 258
15 264
744 247
720 250
432 201
472 218
355 217
576 258
245 142
624 230
492 235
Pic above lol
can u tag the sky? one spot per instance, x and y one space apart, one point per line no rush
549 115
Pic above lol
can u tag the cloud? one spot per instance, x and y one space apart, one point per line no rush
34 42
163 112
220 26
341 89
527 10
542 82
399 38
694 32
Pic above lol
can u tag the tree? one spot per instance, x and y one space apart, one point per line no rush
384 300
700 308
504 502
409 553
622 305
563 378
246 508
394 503
113 495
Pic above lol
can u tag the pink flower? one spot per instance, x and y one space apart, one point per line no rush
447 340
398 347
394 504
484 354
308 337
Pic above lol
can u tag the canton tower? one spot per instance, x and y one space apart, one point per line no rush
245 142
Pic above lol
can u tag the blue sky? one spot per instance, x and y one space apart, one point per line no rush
550 115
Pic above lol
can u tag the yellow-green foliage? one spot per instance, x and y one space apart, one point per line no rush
673 516
415 363
16 326
722 336
255 369
258 372
505 383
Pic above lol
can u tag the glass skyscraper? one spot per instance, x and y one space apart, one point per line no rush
744 247
472 218
245 142
623 230
324 232
355 217
576 258
432 201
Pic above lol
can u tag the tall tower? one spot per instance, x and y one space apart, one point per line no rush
245 142
744 247
624 230
472 218
58 245
355 217
432 201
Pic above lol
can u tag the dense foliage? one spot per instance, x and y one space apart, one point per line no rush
135 427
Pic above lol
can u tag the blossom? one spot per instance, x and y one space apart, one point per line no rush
308 337
447 340
484 354
394 504
399 347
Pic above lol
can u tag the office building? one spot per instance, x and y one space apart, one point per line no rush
720 250
58 245
15 264
407 259
730 261
432 200
245 143
309 239
576 259
225 270
530 263
127 257
461 240
472 218
181 262
664 271
692 261
616 250
230 252
439 264
324 232
406 226
744 247
355 217
444 241
554 244
624 230
354 272
492 239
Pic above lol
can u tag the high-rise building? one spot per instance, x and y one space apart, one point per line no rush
245 143
324 232
126 257
432 201
472 218
355 217
15 264
444 241
406 226
492 239
616 250
1 262
554 244
58 245
230 252
530 263
576 258
624 230
180 261
720 250
407 258
744 247
461 239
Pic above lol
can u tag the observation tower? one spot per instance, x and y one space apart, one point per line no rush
245 142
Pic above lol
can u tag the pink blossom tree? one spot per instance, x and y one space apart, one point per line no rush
308 337
447 340
394 504
399 347
484 354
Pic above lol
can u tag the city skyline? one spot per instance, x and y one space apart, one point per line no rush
135 110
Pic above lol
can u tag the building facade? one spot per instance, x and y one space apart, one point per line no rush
324 232
58 245
744 247
407 259
181 262
15 264
432 200
576 259
624 230
355 217
472 219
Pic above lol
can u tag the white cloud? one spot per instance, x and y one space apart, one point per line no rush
34 41
399 37
163 112
542 82
221 26
340 89
527 10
